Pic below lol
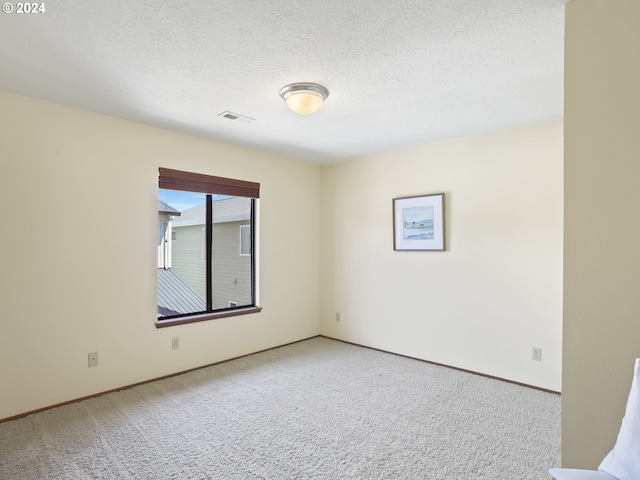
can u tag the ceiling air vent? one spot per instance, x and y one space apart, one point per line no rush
236 117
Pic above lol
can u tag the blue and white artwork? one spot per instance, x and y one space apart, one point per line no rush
418 223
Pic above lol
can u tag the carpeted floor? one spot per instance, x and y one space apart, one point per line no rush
318 409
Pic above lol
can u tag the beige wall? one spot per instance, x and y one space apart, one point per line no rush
497 290
79 196
79 224
602 231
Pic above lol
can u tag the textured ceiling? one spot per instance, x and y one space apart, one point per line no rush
400 73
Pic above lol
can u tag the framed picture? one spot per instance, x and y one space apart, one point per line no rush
418 222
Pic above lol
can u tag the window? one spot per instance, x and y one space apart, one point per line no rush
199 268
245 239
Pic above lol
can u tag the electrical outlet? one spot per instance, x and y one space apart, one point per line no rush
536 354
175 343
338 317
93 359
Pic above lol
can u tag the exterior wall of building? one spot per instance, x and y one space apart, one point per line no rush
188 256
231 274
164 241
231 271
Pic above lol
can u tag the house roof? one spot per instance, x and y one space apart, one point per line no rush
233 209
175 296
168 209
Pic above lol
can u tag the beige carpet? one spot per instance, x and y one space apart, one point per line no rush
318 409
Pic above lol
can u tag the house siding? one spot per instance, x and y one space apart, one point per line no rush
187 256
229 265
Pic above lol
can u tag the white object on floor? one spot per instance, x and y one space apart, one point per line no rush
572 474
623 462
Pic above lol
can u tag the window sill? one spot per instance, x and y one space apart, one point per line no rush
207 316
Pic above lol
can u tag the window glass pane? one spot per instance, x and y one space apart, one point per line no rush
231 273
181 271
205 252
245 240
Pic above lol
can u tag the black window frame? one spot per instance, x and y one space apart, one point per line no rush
170 179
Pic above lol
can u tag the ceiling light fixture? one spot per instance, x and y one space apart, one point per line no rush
304 98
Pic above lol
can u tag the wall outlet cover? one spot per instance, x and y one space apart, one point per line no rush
93 359
536 354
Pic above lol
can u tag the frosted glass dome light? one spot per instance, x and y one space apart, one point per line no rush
304 98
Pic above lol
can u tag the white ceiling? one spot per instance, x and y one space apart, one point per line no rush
400 73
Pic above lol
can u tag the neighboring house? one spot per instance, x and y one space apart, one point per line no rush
166 214
175 296
231 276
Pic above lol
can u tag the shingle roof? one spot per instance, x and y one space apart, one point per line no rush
175 296
166 208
